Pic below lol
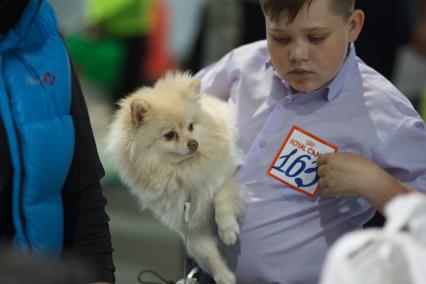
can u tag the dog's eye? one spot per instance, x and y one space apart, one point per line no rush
190 127
169 135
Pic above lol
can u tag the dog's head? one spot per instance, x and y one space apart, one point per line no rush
166 119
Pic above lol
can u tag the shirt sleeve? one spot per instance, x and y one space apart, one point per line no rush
403 154
217 78
86 230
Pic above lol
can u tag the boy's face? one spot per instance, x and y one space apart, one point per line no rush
308 52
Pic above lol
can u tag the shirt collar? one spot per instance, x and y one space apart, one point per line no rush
334 87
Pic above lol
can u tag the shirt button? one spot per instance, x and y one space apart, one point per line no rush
262 143
289 99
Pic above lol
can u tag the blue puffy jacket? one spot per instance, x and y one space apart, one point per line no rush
35 99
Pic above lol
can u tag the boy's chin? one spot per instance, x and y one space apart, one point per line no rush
304 88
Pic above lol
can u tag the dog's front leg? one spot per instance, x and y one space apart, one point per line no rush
228 206
201 245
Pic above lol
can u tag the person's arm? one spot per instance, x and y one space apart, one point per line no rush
346 174
217 78
87 236
399 164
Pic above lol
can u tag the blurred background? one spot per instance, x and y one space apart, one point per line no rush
120 45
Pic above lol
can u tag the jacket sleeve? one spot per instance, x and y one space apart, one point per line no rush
86 232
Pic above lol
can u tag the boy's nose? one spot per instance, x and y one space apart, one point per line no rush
299 52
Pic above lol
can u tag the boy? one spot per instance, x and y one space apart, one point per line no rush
302 93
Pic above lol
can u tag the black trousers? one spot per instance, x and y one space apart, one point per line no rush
132 77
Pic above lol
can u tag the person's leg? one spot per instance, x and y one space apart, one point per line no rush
132 76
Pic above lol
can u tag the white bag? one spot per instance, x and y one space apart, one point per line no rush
394 255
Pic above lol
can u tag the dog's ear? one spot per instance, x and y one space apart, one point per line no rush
194 90
139 109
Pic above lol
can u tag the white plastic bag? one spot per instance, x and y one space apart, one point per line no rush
395 254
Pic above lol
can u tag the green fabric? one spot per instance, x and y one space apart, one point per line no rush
121 18
100 61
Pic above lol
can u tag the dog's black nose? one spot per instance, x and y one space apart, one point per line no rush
192 145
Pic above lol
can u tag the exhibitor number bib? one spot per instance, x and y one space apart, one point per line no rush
296 162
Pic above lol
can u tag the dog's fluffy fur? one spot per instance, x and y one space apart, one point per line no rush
170 144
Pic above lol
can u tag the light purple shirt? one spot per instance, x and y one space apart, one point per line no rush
285 234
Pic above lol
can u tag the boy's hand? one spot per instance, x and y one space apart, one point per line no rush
346 174
349 174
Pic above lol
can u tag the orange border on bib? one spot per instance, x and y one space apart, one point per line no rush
295 127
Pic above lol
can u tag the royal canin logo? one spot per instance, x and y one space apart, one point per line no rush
310 143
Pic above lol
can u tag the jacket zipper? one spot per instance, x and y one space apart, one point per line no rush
22 176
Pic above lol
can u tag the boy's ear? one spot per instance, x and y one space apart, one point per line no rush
356 22
194 90
139 109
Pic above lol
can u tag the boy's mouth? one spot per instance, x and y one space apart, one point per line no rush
300 72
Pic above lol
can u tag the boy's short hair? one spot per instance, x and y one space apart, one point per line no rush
290 8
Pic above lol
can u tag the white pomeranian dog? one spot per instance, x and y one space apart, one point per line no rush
173 145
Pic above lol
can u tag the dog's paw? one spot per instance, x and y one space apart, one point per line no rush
228 231
225 278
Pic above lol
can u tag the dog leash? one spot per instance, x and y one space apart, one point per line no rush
186 279
186 215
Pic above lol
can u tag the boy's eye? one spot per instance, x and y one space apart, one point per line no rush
316 39
169 135
191 127
280 39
